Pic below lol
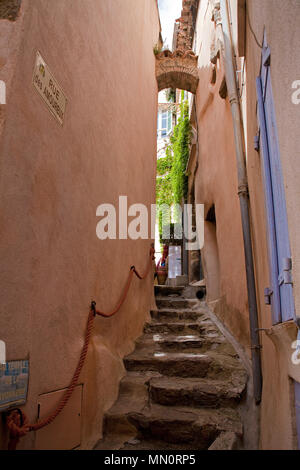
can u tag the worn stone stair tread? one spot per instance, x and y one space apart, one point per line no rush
173 311
200 310
166 342
180 364
187 322
138 410
223 418
176 302
171 341
170 356
172 391
167 290
183 384
152 444
121 442
185 425
182 315
178 326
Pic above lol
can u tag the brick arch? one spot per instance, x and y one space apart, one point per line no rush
177 70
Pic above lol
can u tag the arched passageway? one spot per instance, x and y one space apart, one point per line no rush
177 70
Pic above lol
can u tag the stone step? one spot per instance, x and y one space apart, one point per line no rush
168 290
175 303
180 326
169 342
180 364
155 444
183 384
170 364
182 425
226 440
195 392
211 364
132 442
176 391
175 314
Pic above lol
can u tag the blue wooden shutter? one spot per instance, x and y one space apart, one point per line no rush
272 246
282 301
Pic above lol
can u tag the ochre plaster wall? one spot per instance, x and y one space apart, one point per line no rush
52 179
280 22
216 183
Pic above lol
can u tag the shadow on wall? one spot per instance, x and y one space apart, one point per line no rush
9 9
211 256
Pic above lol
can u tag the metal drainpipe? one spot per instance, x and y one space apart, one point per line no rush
222 22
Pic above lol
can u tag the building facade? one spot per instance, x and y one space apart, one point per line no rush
267 72
54 175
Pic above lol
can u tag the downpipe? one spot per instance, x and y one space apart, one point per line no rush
222 22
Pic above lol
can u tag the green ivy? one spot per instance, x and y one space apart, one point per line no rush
180 146
164 165
171 181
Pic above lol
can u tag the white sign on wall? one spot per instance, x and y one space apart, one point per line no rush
49 89
174 261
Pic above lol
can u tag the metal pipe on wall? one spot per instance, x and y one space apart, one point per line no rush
223 24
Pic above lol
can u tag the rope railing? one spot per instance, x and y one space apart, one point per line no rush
17 422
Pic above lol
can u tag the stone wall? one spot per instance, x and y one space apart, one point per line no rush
187 24
9 9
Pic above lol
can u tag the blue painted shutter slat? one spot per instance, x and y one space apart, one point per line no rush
282 300
271 232
281 223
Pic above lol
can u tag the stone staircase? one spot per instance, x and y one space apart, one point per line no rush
183 386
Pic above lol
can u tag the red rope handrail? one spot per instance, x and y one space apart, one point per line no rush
17 422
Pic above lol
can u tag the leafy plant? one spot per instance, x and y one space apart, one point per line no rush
157 49
171 181
180 146
164 164
170 95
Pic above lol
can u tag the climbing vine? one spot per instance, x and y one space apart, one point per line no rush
180 142
164 165
171 182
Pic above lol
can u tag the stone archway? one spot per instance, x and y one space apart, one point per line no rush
177 70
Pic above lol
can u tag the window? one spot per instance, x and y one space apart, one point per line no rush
164 123
164 119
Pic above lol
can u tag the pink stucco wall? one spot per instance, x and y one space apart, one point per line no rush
52 179
216 184
278 430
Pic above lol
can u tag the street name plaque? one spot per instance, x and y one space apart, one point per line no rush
49 89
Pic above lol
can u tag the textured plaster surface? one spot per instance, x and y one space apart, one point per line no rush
52 179
216 184
283 35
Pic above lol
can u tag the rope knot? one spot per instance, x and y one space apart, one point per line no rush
18 426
